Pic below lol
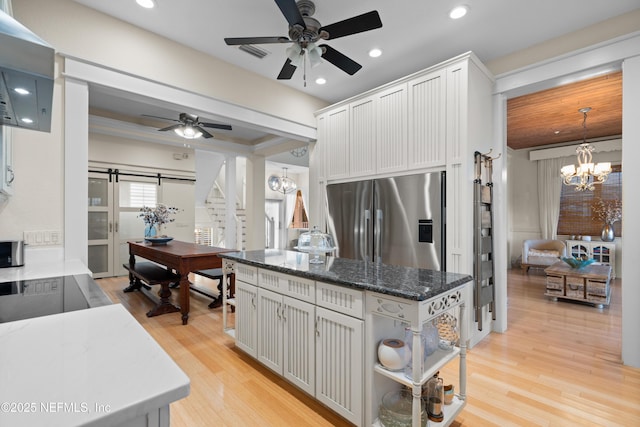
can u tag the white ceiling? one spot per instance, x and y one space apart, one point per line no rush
415 34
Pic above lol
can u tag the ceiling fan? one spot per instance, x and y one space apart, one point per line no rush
305 32
190 127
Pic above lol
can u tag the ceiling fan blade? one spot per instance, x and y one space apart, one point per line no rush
172 127
158 117
214 126
287 70
233 41
290 10
204 132
357 24
340 60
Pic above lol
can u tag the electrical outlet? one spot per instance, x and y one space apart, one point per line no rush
42 237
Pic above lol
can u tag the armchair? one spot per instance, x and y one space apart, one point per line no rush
541 253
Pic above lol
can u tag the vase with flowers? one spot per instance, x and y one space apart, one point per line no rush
154 218
608 211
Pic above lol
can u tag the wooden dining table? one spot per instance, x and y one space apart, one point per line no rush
183 258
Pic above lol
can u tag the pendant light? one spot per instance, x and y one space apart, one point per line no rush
586 175
282 184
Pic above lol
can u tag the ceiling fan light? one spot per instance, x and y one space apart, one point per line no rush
321 81
188 132
294 54
315 56
374 53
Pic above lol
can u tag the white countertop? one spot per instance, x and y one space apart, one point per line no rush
39 270
92 367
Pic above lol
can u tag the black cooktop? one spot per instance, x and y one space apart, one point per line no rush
24 299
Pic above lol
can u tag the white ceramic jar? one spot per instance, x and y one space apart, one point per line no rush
391 354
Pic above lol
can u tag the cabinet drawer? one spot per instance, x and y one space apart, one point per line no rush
285 284
246 273
575 288
341 299
597 289
555 283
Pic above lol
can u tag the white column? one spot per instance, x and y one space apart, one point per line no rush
255 202
76 162
630 209
230 197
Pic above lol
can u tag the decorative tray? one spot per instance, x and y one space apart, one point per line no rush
158 240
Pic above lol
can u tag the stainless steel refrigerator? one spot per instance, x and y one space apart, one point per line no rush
396 221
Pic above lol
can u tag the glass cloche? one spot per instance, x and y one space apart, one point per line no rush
315 243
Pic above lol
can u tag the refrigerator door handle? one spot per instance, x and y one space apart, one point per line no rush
378 236
367 228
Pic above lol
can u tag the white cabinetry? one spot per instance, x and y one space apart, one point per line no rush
286 338
245 331
246 328
337 143
427 120
339 344
602 252
362 147
391 147
317 346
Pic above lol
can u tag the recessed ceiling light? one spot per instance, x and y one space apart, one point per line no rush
22 91
27 120
458 12
321 80
374 53
147 4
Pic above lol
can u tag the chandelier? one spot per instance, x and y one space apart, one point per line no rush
282 184
586 174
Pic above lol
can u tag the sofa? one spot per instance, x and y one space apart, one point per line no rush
541 253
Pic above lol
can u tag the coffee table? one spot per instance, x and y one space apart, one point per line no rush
588 284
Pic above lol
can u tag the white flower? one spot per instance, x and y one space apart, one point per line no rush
608 211
158 215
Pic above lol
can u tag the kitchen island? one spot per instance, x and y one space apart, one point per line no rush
69 357
92 367
319 325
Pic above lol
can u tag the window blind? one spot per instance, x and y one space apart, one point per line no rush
577 216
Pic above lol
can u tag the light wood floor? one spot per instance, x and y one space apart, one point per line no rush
557 365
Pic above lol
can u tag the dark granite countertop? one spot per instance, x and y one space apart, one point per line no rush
405 282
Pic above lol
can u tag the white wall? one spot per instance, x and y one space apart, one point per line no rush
112 150
631 208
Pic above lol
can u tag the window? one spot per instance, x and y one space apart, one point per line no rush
300 219
576 212
138 194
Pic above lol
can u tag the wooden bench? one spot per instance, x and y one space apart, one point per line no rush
142 275
214 274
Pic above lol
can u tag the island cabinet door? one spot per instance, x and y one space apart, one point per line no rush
246 318
339 363
270 343
299 344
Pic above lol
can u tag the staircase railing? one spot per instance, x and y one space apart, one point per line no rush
238 221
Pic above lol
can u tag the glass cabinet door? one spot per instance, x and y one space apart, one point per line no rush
100 220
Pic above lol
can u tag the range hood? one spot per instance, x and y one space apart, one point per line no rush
26 77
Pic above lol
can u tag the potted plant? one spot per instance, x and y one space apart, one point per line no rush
155 217
608 211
